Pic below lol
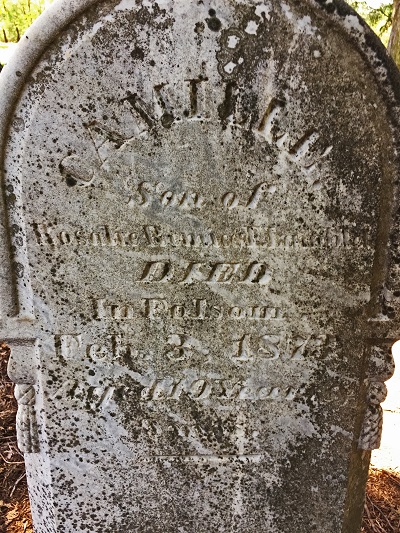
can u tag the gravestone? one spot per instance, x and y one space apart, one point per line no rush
200 265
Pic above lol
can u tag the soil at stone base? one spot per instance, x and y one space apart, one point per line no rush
382 507
14 502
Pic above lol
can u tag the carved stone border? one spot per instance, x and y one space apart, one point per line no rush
12 81
22 370
380 368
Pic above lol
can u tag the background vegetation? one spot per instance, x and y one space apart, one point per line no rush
379 18
17 15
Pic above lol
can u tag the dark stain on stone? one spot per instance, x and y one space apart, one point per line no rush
137 53
167 120
199 27
213 22
70 181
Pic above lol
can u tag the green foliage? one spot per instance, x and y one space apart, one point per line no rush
379 18
17 15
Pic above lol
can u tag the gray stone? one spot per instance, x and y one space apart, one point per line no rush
200 265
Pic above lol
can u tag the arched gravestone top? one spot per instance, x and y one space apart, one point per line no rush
199 263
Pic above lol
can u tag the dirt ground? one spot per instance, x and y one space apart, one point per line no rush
14 502
382 507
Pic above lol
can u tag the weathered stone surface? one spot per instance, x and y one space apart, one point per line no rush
199 279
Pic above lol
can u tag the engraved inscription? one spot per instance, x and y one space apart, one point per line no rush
200 309
104 236
93 397
72 347
165 271
161 110
182 347
171 388
196 309
265 237
297 151
148 193
285 347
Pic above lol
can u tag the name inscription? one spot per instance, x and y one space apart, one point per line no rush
264 237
